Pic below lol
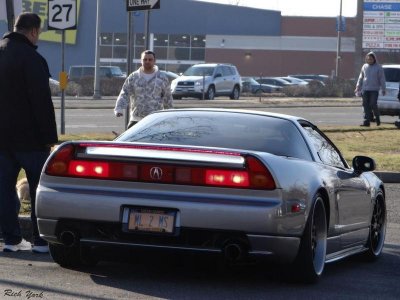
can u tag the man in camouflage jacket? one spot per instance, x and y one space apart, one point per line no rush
148 89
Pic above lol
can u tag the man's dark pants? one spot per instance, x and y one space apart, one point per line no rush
11 163
370 104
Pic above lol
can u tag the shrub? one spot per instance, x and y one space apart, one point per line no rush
85 86
331 88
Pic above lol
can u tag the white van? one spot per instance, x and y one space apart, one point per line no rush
389 104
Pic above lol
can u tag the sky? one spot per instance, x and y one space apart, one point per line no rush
323 8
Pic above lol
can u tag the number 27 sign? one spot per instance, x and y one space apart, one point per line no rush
62 14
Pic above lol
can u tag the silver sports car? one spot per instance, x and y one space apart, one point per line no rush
241 183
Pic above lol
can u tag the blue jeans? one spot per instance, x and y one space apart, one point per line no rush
11 163
370 104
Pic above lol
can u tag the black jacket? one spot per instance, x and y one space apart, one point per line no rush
27 118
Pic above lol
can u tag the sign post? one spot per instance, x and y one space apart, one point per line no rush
62 16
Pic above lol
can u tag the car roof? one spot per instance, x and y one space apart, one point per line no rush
211 65
391 66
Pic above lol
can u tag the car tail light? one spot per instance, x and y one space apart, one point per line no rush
252 174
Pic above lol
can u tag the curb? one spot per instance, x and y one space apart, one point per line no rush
388 177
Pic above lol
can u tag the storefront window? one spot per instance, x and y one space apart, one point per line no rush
138 52
106 39
168 47
120 52
177 53
198 54
139 39
105 51
161 52
120 39
179 40
160 40
198 41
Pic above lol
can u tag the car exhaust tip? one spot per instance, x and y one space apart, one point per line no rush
233 251
68 238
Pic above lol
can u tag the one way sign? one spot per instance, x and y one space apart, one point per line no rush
132 5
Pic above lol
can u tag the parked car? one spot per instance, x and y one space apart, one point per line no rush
273 81
389 104
54 87
309 77
295 81
318 79
235 182
219 80
250 85
79 72
171 75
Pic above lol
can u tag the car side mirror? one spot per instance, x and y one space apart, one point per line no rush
218 75
363 164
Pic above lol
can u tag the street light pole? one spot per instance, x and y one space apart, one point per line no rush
10 15
339 29
97 93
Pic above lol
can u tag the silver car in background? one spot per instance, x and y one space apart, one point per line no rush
235 182
208 81
389 104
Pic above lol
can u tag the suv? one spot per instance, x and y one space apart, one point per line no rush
209 79
389 104
79 72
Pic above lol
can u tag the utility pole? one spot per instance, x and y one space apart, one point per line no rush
10 14
97 93
147 29
358 54
339 29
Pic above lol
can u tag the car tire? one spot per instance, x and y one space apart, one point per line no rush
258 92
72 256
377 230
235 93
210 93
310 260
68 257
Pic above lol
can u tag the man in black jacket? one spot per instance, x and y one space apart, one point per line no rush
27 125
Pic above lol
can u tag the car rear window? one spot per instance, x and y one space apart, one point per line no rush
392 74
220 129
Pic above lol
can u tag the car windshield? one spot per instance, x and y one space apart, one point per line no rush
392 74
116 71
220 129
199 71
251 81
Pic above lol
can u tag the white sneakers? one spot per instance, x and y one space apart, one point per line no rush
25 246
22 246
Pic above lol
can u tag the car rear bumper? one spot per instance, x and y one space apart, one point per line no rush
195 94
280 248
389 107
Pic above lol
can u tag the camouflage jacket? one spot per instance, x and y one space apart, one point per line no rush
145 96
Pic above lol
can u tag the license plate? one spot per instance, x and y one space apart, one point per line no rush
151 220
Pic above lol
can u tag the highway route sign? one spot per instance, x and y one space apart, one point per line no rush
61 14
